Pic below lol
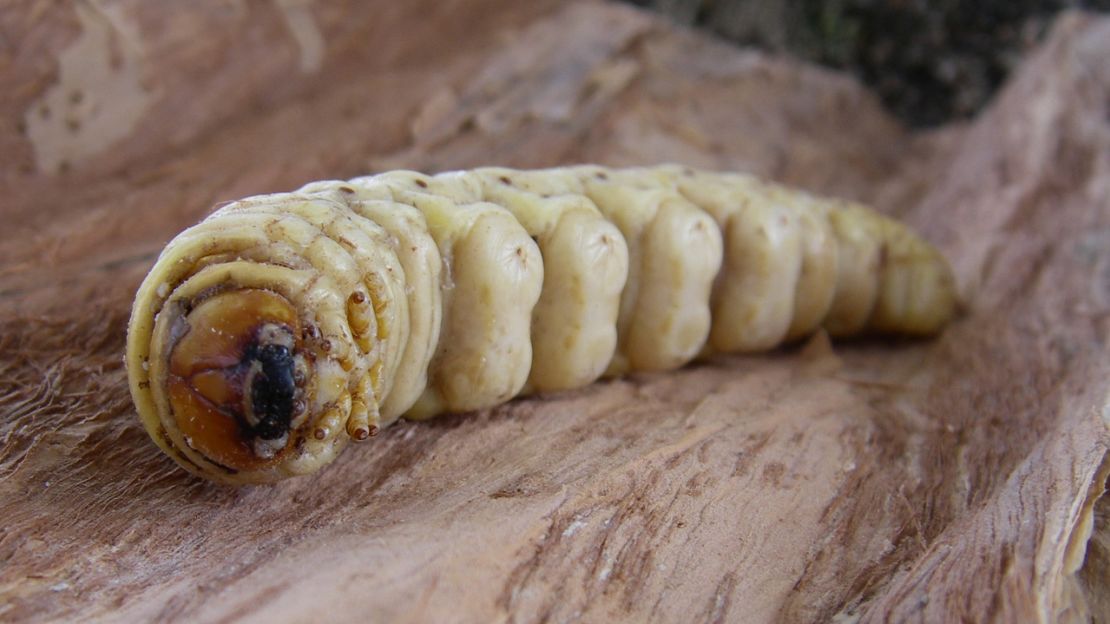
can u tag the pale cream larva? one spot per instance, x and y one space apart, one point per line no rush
281 327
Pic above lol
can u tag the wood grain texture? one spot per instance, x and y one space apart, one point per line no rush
927 481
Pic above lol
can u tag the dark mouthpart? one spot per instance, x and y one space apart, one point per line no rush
272 389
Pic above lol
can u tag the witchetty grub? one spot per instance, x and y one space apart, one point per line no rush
271 334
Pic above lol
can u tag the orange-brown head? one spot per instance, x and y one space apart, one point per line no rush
237 377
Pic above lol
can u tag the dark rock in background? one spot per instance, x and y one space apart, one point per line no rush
928 61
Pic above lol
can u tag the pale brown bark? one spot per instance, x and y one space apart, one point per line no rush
930 481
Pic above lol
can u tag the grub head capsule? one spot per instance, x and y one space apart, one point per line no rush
233 377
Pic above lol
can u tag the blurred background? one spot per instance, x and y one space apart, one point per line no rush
929 61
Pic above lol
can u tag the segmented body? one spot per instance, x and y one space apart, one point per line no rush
282 326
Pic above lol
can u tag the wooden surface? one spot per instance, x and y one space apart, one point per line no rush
933 481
